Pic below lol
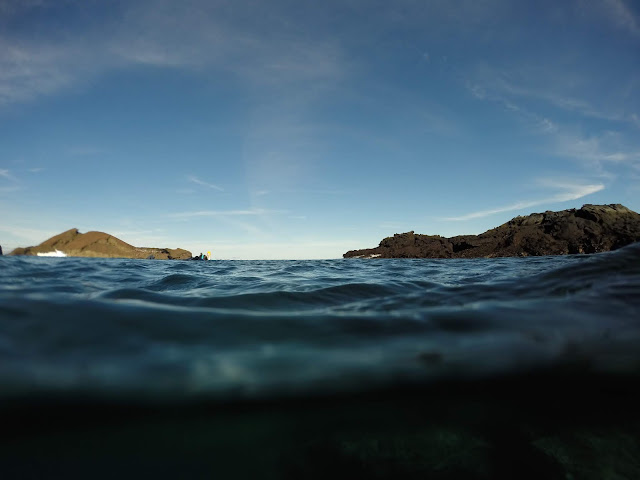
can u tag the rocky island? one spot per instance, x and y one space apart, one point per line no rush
99 244
590 229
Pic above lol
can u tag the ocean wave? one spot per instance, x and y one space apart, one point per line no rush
255 329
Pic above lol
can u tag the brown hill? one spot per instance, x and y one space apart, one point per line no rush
99 244
590 229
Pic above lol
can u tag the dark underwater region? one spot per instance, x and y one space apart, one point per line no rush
443 369
542 425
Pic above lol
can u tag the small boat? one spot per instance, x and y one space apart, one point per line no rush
56 253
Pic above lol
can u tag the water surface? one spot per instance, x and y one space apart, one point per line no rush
480 368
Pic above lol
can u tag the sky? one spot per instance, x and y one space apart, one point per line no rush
294 129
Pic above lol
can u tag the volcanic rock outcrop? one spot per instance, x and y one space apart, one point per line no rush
590 229
99 244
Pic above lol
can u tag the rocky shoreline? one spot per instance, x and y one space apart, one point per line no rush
101 245
590 229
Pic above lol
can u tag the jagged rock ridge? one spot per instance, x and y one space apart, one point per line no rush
590 229
100 244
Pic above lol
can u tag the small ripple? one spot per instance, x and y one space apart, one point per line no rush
132 294
175 281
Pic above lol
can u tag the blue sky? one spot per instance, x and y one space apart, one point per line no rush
300 129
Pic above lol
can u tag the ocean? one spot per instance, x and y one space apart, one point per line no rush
401 368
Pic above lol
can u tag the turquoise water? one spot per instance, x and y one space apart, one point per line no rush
327 368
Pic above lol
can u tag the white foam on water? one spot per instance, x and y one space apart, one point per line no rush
56 253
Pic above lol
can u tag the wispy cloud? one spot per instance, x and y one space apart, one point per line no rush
488 93
13 186
10 188
596 150
28 70
258 47
569 192
198 181
575 92
227 213
607 147
557 99
498 86
622 16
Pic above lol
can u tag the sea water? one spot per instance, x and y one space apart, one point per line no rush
410 368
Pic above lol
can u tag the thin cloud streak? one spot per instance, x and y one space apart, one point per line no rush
524 83
573 192
560 101
226 213
197 181
541 124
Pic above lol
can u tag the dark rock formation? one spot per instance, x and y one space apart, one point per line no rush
590 229
99 244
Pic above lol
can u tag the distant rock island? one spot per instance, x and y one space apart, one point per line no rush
590 229
99 244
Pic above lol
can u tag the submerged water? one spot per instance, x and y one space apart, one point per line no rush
162 334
